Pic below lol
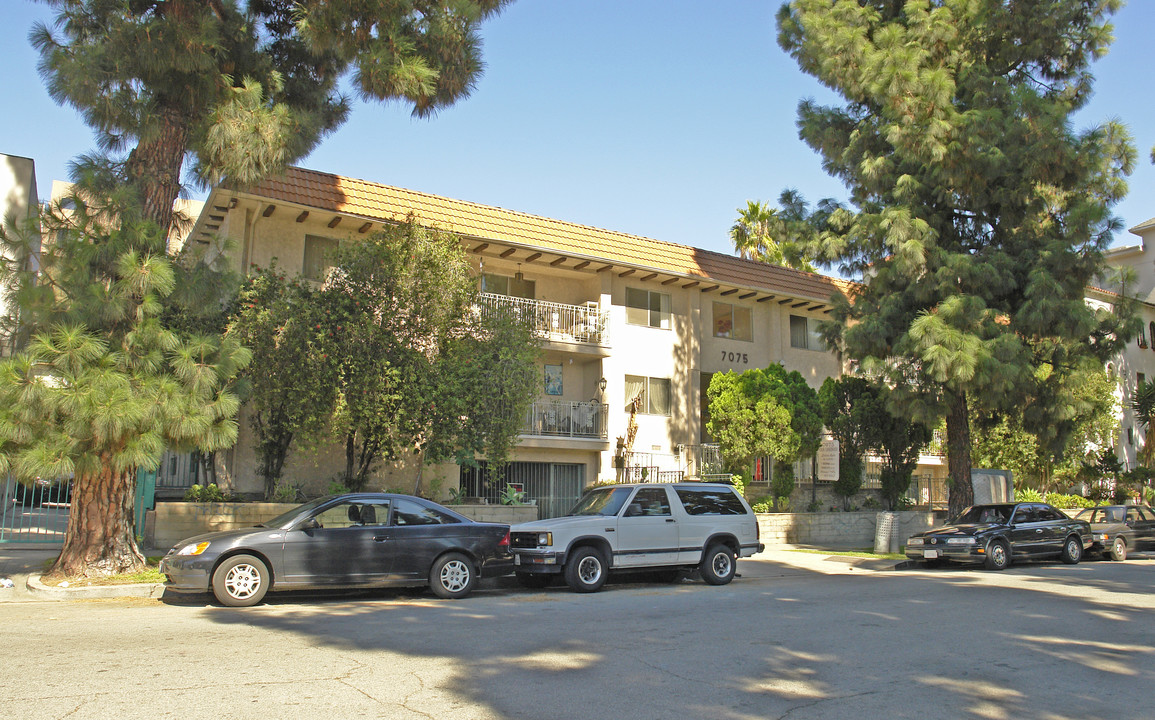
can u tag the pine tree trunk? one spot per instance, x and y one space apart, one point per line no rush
155 165
100 539
958 457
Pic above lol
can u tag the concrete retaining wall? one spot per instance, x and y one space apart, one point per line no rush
839 529
172 522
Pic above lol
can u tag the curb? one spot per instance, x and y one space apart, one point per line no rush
103 592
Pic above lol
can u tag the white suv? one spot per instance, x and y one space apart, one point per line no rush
667 527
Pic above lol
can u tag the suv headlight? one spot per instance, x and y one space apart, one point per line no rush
544 539
960 541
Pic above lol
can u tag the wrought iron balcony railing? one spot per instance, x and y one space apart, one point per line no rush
586 323
568 419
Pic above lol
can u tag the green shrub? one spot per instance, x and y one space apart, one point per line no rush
1068 501
287 492
208 493
739 482
1028 495
763 504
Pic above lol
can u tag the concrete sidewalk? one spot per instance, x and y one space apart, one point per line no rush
23 567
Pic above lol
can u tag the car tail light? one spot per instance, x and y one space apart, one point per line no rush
505 540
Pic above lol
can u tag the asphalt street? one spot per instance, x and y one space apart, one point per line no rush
797 636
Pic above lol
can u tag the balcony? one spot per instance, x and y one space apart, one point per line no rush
586 420
586 323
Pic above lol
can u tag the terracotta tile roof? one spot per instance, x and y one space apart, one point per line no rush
374 201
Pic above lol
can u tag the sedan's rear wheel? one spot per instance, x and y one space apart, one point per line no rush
1072 550
998 556
241 581
452 576
1118 549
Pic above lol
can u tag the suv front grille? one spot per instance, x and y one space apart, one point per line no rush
523 539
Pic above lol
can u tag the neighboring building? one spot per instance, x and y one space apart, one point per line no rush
18 204
1137 362
620 316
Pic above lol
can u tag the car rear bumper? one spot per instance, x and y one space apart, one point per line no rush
497 566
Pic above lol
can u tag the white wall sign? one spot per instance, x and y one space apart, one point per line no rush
828 460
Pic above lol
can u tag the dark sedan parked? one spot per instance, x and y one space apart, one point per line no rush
355 540
1116 529
996 534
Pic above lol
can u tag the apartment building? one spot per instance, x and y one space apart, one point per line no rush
620 317
18 203
1136 363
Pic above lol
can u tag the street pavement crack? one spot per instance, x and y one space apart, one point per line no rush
820 701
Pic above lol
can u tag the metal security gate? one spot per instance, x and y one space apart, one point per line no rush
35 514
555 487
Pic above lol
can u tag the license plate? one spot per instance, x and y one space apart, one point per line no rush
516 559
930 554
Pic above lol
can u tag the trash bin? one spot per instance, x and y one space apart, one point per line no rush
885 532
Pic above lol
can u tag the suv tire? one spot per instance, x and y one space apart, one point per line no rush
585 570
718 565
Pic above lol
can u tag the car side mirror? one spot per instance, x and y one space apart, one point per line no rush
310 524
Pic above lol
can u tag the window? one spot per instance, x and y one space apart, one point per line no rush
649 502
710 502
351 514
804 333
644 307
731 321
1140 379
407 512
655 394
505 285
319 255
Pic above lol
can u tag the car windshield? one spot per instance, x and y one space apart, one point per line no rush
284 519
1101 515
984 515
604 501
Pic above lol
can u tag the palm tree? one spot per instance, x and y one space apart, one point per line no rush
776 235
1143 403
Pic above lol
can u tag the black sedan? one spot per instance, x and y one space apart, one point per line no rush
354 540
1116 529
996 534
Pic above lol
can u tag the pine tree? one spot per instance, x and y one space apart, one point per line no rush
981 215
245 88
114 373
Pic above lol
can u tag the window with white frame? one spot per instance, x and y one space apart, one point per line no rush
804 333
320 255
732 321
647 307
654 392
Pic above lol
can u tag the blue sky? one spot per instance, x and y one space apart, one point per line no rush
652 117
